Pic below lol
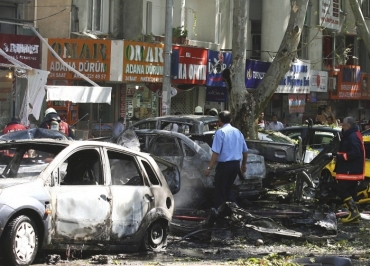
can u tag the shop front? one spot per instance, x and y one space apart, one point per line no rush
351 94
318 96
189 76
216 93
141 93
293 90
94 59
13 87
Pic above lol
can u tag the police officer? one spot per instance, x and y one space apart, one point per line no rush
52 121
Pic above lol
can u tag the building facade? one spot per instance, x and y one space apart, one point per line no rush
329 43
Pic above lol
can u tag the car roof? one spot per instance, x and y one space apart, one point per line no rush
71 143
183 118
315 127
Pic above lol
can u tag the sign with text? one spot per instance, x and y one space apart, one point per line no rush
319 81
365 86
190 66
348 83
143 62
329 14
216 94
25 49
297 79
89 57
254 73
217 62
296 103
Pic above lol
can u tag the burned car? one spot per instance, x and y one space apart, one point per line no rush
192 157
91 194
186 124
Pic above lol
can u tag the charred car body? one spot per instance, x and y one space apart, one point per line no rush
86 193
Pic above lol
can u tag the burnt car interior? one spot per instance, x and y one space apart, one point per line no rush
83 168
124 170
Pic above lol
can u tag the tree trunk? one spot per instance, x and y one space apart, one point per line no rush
361 23
245 107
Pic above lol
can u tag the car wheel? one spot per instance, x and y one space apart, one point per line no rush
156 237
20 241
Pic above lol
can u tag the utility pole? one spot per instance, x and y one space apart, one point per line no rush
166 88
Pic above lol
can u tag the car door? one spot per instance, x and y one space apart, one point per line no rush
168 148
132 197
81 205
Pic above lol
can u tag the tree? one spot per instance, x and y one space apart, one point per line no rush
244 106
361 23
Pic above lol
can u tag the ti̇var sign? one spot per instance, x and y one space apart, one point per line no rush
90 57
143 62
23 48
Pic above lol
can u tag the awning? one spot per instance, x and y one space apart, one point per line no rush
79 94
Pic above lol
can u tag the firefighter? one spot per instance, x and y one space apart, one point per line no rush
350 167
52 121
14 125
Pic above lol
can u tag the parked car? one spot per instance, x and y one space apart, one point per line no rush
192 157
314 140
186 124
91 194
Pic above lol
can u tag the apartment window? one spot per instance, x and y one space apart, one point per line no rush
365 7
95 16
8 12
256 40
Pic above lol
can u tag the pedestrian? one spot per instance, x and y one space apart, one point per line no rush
349 167
14 125
275 124
261 121
118 127
228 150
198 110
52 121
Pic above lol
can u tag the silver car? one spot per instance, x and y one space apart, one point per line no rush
91 194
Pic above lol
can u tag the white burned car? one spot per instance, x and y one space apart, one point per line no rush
90 194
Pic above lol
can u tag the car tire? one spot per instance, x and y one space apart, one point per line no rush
20 241
156 236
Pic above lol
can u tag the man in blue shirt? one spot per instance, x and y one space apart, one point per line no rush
118 127
229 148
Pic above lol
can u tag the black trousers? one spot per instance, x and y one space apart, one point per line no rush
226 173
347 188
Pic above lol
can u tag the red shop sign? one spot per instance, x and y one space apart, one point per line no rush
189 65
21 47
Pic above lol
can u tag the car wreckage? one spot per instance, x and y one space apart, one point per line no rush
56 192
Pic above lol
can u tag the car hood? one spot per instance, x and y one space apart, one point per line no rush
9 182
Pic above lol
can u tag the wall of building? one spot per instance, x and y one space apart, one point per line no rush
275 18
56 18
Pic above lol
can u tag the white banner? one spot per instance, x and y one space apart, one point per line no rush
319 81
297 79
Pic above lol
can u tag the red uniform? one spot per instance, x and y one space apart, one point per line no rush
13 126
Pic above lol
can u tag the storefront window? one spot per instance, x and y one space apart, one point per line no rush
6 98
141 102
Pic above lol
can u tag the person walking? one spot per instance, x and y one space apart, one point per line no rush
118 127
14 125
228 150
52 121
349 167
275 124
